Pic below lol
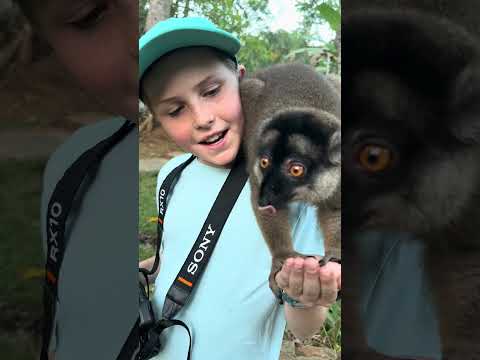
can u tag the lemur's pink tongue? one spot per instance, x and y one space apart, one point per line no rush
267 210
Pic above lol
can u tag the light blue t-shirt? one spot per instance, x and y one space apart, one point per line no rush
98 284
232 313
396 302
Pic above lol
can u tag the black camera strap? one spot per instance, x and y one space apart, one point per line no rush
193 267
58 210
189 275
165 189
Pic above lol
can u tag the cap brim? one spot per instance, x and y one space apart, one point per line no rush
157 45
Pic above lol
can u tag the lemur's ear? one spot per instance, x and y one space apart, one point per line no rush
335 148
250 89
464 105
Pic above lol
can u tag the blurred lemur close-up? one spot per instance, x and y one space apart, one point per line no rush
293 150
411 151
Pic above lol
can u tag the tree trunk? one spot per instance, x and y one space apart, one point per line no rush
338 43
158 10
186 10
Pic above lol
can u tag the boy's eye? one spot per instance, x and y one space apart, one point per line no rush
175 112
212 92
91 17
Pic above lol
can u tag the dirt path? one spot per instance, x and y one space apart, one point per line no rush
156 149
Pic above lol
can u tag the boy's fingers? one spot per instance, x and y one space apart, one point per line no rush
334 270
282 277
311 284
328 286
295 287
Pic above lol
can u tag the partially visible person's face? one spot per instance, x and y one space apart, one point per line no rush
97 42
195 97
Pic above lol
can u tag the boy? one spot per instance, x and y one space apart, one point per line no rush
189 79
96 42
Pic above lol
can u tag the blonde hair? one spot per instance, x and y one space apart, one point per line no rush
227 60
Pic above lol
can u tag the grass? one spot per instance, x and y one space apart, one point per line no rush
21 255
148 206
147 212
10 349
20 246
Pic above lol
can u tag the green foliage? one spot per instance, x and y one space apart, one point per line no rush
147 211
269 48
21 245
324 59
332 329
232 15
317 12
330 15
21 258
145 252
263 48
18 346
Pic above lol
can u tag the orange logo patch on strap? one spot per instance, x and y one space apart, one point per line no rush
51 277
185 281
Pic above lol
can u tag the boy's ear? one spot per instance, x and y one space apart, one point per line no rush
241 71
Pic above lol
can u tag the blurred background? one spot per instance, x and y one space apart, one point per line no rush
40 107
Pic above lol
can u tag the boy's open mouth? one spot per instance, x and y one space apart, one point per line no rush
214 138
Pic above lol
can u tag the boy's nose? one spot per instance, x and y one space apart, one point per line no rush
203 119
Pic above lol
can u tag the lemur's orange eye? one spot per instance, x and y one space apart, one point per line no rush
375 158
296 170
264 162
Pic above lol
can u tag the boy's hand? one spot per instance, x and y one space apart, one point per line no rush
305 281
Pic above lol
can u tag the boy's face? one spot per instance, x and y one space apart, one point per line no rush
97 42
195 97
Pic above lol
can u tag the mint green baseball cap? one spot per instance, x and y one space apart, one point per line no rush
176 33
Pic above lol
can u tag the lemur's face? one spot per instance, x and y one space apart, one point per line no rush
410 128
298 158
